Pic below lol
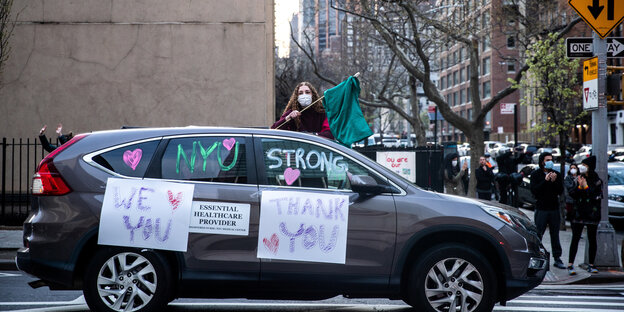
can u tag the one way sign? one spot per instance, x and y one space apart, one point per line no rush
583 47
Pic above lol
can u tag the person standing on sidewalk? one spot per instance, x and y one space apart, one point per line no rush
570 183
485 178
546 186
586 211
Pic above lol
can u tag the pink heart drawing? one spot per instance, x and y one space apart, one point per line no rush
174 201
272 244
291 175
229 143
132 158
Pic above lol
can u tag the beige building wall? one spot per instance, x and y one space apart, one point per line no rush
97 64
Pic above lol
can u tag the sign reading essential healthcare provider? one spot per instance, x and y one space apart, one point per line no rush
146 214
303 226
220 218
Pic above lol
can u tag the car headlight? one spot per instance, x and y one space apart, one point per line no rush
510 218
616 197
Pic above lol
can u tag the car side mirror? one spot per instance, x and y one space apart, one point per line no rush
364 184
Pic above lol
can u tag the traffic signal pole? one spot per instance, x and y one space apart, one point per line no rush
607 254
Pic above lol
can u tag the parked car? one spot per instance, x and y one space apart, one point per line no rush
615 190
262 214
463 149
489 145
391 142
582 153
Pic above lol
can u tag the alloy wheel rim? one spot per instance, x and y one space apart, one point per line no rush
127 282
454 284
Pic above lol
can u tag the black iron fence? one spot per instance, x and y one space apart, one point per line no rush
20 158
19 161
428 163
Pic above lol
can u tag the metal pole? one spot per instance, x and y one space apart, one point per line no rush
4 148
516 124
607 254
435 126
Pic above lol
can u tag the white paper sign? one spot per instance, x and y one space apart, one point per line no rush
147 214
403 163
303 226
220 218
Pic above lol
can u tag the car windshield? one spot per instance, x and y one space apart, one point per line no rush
616 176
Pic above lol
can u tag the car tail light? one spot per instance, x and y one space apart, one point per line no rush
48 180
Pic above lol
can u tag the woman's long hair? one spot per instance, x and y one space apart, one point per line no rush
293 103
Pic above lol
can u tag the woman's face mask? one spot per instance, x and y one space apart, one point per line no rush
573 171
304 99
454 163
582 169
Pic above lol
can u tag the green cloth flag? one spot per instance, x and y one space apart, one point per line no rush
344 115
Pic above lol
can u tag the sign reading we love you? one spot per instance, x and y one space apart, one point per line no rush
148 214
303 226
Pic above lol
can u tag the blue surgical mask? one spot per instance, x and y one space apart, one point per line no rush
549 165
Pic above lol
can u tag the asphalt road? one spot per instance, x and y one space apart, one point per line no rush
16 295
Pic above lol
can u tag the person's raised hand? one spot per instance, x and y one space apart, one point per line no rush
43 129
59 128
294 114
465 165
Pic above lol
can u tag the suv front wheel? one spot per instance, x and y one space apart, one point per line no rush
124 279
452 278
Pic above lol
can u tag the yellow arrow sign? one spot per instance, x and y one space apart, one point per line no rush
601 15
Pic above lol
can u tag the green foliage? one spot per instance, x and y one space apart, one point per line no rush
552 83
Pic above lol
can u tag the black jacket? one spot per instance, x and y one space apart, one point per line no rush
546 192
586 208
484 179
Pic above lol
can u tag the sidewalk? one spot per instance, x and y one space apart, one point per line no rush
558 276
11 240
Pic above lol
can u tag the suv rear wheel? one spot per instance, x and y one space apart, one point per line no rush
123 279
452 278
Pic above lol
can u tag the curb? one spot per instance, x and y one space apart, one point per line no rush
8 265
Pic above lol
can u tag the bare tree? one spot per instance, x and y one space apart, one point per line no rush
385 82
6 31
416 32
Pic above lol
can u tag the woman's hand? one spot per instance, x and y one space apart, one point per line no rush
43 129
293 114
465 165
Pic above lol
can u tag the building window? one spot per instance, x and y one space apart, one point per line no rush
462 75
485 20
487 64
487 91
461 97
486 44
511 41
454 98
511 66
455 80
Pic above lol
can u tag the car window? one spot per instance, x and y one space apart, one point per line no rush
300 164
208 159
130 160
616 176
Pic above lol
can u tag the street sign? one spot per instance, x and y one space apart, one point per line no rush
590 84
584 47
434 114
602 18
507 108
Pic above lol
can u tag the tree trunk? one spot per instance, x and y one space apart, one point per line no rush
416 122
477 149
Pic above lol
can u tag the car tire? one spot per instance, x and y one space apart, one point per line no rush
451 275
117 277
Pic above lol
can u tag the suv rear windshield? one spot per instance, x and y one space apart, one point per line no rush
130 160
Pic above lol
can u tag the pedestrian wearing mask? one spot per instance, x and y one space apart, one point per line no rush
586 211
570 183
453 175
485 178
312 120
546 186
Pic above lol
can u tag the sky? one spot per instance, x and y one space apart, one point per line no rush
284 9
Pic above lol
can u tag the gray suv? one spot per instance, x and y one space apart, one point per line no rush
138 217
